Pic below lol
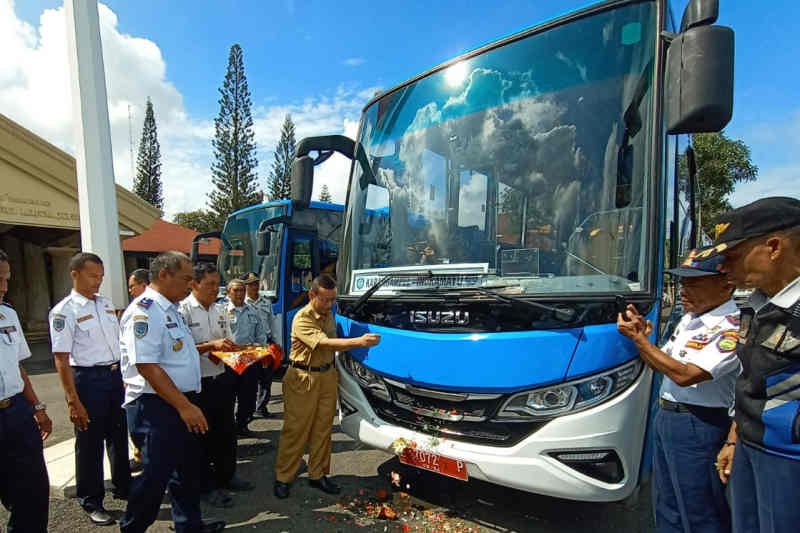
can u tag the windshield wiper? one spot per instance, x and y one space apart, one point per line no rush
587 263
362 300
565 314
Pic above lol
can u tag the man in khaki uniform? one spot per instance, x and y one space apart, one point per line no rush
310 388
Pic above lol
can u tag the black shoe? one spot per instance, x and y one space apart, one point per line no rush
244 431
100 517
207 526
325 485
264 413
120 495
281 490
239 485
211 526
217 498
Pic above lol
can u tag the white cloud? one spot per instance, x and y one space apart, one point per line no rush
35 91
354 61
774 181
337 114
777 140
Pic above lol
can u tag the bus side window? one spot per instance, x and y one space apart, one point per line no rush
301 265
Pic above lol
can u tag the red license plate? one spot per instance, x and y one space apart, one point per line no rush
433 462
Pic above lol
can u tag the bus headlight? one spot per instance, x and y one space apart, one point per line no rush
549 402
369 380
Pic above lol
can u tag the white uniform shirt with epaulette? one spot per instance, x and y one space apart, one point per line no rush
709 342
206 325
263 307
86 329
153 331
246 325
13 349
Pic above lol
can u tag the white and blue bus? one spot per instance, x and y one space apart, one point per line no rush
286 245
501 209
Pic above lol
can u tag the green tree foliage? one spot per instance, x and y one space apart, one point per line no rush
325 194
147 182
234 168
280 177
200 220
722 163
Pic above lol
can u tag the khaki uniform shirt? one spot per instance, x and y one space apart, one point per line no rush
309 327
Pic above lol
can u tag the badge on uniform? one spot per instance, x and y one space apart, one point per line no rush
775 337
744 327
698 342
727 341
145 303
177 345
59 322
140 329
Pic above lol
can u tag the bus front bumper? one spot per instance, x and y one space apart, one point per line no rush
531 465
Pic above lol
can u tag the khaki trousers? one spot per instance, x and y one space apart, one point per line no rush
309 405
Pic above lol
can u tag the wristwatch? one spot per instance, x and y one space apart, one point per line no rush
41 406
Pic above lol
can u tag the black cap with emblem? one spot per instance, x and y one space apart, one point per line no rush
250 277
758 218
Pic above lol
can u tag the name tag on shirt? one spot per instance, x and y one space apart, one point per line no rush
84 318
172 324
8 329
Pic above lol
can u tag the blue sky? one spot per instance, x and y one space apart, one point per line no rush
326 57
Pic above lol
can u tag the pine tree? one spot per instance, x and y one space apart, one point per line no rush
233 171
325 194
147 182
280 177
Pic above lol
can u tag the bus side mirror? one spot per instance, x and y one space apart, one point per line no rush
194 255
699 80
264 241
302 180
699 13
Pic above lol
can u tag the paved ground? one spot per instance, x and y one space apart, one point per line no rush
432 503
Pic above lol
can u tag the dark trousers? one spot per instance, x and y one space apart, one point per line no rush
764 490
219 444
245 388
171 459
264 387
24 486
687 493
101 393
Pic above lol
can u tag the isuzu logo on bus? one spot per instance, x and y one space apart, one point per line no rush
439 318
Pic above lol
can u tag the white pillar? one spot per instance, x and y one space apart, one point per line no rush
97 195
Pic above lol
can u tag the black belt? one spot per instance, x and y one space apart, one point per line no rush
112 367
678 407
8 402
323 368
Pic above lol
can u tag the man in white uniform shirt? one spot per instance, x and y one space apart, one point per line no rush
700 366
263 306
24 424
208 322
85 341
161 369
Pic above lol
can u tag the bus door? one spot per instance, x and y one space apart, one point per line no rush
302 266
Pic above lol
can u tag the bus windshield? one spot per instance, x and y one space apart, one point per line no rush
528 163
240 246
